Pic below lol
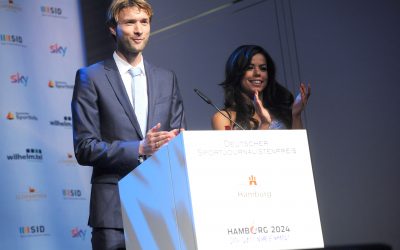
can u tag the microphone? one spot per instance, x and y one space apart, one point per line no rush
207 100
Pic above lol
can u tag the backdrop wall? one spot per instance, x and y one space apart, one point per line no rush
45 195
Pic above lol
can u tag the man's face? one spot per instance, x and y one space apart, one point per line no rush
132 31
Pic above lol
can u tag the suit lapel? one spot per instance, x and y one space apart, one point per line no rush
151 93
114 78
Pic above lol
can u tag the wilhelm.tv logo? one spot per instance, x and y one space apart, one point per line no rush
66 123
31 154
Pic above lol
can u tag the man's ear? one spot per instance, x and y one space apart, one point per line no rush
112 30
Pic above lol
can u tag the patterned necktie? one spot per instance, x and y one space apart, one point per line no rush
139 97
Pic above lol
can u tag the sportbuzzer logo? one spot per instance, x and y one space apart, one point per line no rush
52 11
31 231
78 233
57 49
19 79
69 159
59 85
21 116
31 195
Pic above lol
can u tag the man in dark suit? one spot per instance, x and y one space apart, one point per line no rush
124 109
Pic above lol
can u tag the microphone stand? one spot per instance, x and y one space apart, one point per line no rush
207 100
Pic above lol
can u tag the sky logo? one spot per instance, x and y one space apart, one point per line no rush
17 78
78 233
57 49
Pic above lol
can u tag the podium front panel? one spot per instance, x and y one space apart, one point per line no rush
224 190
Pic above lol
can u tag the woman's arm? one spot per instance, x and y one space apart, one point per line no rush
220 122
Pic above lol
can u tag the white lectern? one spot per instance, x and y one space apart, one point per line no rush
224 190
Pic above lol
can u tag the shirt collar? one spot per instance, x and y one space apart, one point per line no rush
123 66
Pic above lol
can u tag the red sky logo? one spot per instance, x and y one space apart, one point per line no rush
10 116
252 181
78 233
51 84
18 78
57 49
32 190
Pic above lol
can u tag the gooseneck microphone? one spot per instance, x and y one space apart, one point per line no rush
207 100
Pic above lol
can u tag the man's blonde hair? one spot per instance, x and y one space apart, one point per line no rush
117 5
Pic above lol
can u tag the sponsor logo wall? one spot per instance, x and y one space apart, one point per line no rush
45 201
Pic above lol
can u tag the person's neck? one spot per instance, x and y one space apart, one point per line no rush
132 58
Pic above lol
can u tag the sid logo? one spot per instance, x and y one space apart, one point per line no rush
50 10
30 230
57 49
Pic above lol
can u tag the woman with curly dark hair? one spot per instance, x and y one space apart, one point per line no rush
253 98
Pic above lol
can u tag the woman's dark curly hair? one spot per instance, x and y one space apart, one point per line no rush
276 98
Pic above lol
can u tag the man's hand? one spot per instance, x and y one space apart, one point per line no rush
155 139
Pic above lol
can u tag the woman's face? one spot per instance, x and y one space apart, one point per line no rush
256 76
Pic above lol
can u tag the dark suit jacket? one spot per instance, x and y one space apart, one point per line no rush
106 132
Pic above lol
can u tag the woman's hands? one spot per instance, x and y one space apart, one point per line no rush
299 104
301 100
263 114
